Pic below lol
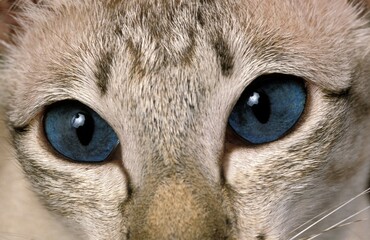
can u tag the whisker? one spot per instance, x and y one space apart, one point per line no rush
330 213
341 223
10 235
339 226
318 216
310 220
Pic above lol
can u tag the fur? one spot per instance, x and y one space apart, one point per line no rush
166 75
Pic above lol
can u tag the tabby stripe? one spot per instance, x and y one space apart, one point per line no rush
103 71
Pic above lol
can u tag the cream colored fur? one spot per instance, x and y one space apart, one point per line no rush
178 69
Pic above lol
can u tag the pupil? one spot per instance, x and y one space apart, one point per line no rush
261 107
84 125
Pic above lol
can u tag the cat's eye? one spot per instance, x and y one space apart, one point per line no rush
79 133
268 108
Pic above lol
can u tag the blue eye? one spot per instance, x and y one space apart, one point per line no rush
79 133
268 108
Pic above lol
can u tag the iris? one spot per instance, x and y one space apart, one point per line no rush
79 133
268 108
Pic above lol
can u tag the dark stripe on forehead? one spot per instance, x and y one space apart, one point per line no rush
103 71
225 58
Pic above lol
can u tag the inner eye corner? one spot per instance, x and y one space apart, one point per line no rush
271 107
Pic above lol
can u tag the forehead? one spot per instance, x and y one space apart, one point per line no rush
168 33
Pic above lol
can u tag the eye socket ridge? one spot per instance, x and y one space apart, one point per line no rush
78 133
269 108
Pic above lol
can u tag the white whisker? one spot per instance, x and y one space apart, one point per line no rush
310 220
330 213
341 223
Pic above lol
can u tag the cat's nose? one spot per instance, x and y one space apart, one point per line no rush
176 209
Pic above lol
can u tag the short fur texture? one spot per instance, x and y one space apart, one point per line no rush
166 75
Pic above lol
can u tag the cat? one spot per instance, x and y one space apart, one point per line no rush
197 119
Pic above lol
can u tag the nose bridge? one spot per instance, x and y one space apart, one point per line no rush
171 102
178 208
169 113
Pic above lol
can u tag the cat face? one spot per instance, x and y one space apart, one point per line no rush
173 82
